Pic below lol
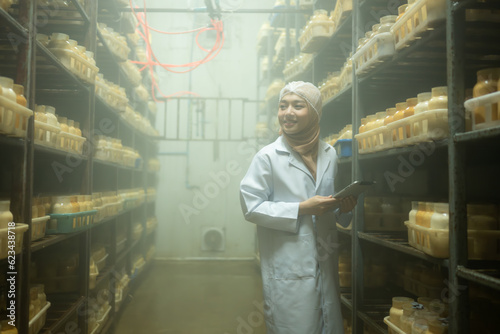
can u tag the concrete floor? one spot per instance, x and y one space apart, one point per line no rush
214 297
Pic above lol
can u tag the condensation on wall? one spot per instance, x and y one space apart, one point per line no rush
199 179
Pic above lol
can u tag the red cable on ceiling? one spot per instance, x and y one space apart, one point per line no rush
217 25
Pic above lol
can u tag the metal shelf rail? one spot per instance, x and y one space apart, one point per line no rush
45 77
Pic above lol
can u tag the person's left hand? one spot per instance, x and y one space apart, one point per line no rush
348 203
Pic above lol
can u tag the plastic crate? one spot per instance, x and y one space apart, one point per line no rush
113 99
306 3
38 227
427 126
343 147
101 263
77 65
487 105
13 118
137 231
120 245
38 321
378 49
72 143
342 9
132 72
421 17
18 231
46 134
482 244
374 140
70 222
392 329
314 37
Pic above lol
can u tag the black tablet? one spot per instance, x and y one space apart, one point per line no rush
354 189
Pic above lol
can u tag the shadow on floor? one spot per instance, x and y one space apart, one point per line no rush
209 297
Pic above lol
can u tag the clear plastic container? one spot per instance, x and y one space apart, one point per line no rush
420 326
420 215
440 219
61 204
396 310
413 212
482 217
20 99
487 82
386 22
7 89
423 102
407 318
5 214
439 99
389 118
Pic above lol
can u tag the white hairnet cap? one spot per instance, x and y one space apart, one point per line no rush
307 91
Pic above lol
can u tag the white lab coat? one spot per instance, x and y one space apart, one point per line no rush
299 258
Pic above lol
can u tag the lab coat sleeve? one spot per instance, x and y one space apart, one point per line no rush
256 189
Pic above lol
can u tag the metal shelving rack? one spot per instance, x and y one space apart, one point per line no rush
444 59
46 80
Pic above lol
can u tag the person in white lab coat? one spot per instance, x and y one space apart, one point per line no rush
287 191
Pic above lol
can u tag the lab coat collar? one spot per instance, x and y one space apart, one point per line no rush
294 158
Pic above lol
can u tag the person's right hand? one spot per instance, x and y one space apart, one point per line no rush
318 205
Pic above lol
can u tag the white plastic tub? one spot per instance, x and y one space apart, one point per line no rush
38 321
374 140
46 134
18 233
393 329
377 50
486 104
38 227
76 64
342 9
13 118
427 126
315 35
482 244
418 19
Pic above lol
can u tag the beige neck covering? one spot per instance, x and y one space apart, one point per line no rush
306 142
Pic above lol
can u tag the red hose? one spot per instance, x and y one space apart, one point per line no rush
152 60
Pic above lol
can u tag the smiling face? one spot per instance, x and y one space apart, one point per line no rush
293 114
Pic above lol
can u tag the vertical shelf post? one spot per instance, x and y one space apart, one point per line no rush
358 223
26 75
455 45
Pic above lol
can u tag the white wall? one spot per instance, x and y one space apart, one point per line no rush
200 190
